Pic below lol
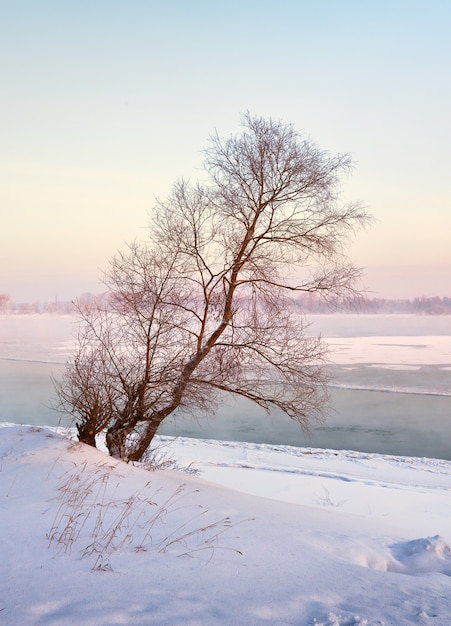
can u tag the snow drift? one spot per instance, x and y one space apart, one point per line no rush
90 540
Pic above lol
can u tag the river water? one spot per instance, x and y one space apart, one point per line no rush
391 393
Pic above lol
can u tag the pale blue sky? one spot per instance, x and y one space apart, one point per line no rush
105 103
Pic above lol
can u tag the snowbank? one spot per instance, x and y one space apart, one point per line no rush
262 535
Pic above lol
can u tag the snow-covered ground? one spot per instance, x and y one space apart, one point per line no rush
251 534
230 533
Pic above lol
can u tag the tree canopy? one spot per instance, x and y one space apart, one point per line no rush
202 306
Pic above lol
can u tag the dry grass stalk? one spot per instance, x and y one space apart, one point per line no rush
91 518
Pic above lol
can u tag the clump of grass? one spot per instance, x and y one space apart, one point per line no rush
158 457
326 500
92 520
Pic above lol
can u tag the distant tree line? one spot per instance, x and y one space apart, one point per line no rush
307 303
417 306
8 306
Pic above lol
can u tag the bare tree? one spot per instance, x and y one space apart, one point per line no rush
6 303
202 308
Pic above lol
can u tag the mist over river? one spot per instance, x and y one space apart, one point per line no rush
391 390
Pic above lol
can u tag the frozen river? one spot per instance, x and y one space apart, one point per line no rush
392 390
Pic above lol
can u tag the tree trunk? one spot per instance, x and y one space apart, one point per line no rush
136 452
86 433
116 440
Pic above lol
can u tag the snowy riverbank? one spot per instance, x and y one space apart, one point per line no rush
257 535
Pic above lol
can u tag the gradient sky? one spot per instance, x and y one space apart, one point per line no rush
105 104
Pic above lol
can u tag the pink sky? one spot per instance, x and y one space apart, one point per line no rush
99 118
397 282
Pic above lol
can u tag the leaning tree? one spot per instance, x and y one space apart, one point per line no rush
203 308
